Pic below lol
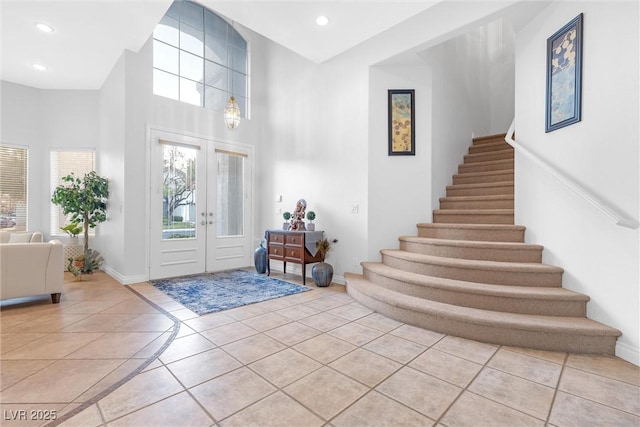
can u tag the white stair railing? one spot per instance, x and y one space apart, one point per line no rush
618 217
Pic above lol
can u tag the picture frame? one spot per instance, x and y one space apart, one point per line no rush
401 122
564 76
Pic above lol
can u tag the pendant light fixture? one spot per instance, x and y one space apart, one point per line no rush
232 114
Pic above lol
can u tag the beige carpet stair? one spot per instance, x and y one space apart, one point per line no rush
505 175
470 274
501 201
472 249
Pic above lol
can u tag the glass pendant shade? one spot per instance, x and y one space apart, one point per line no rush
232 114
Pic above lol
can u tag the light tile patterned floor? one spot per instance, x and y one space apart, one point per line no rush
311 359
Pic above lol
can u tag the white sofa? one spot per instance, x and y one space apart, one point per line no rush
30 269
20 237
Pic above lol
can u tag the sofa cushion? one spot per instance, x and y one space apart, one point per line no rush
20 238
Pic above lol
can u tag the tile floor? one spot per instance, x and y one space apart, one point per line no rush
311 359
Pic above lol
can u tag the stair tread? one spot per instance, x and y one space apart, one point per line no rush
498 137
481 197
488 162
482 185
529 322
496 143
473 156
472 243
473 226
504 266
474 211
483 173
537 292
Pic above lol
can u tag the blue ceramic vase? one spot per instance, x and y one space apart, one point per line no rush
322 274
260 259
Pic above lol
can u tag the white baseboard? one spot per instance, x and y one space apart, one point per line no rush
628 353
124 280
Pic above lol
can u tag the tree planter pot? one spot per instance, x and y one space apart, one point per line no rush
72 251
322 274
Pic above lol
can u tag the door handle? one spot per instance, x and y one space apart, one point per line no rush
203 222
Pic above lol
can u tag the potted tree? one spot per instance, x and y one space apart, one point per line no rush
85 201
322 272
311 215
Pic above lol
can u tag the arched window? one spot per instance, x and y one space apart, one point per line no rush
199 58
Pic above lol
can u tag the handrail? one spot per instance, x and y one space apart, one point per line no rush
618 217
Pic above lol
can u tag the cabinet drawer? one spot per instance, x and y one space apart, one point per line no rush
293 253
293 239
276 251
276 238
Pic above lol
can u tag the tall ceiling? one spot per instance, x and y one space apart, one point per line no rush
90 35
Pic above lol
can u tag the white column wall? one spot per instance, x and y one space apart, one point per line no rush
600 153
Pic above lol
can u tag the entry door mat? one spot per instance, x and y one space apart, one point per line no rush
211 292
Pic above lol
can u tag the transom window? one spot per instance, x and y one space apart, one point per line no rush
199 58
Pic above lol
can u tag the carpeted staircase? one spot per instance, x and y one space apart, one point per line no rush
470 274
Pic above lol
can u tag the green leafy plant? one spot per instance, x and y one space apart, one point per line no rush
286 216
85 200
72 229
311 215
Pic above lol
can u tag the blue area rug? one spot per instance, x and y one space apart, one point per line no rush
211 292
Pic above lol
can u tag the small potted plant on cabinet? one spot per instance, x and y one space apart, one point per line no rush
322 272
311 215
287 217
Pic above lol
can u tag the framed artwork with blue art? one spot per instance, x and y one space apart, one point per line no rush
564 72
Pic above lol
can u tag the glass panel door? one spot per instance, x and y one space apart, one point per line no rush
178 204
230 197
179 192
229 243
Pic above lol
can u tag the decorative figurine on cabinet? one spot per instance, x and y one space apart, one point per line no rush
297 219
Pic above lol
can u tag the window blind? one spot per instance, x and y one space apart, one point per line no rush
13 187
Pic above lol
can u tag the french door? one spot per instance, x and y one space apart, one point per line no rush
199 206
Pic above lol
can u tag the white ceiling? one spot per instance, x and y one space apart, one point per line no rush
91 35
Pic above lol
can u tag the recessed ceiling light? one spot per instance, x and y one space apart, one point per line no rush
322 20
44 27
39 67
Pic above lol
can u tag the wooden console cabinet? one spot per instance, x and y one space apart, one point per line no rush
292 246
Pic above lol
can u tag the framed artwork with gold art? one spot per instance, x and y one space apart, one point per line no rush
402 134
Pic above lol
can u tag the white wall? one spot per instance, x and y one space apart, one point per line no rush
309 125
399 186
42 120
315 147
20 120
327 131
110 234
130 110
600 153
